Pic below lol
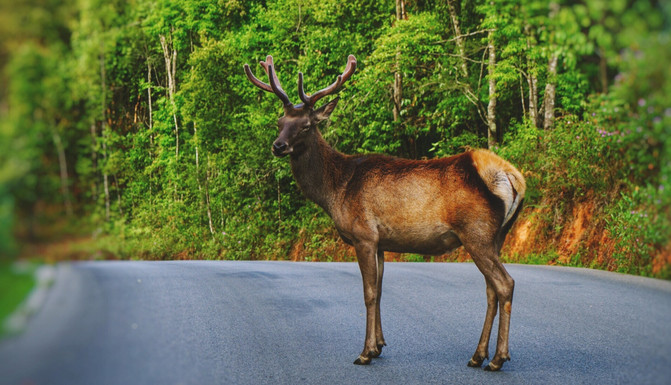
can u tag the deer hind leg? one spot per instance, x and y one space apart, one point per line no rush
502 285
482 351
368 264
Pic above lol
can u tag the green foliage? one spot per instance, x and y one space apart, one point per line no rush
160 175
544 258
15 284
7 243
639 228
411 48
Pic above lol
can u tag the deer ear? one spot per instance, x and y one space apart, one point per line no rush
323 112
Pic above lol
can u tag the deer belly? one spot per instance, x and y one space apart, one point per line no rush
419 240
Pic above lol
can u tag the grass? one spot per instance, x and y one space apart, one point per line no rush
15 284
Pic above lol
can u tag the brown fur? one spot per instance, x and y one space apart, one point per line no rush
380 203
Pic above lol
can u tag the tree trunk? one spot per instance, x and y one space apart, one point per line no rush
400 10
532 81
151 113
94 162
107 196
118 194
603 63
207 202
398 89
200 184
458 37
398 76
533 99
465 83
170 56
63 165
103 123
151 127
491 107
603 70
549 99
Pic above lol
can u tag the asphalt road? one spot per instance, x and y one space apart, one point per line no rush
303 323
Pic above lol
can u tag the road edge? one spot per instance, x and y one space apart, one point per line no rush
45 276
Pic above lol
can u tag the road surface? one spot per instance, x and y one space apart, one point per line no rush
203 322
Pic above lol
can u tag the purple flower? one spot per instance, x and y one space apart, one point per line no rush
641 102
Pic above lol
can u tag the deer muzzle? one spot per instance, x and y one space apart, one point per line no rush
281 148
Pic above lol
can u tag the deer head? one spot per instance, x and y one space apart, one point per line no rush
299 120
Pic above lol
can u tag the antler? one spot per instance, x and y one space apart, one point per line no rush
309 101
312 99
275 86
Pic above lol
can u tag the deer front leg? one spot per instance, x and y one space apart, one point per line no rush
366 256
482 351
379 337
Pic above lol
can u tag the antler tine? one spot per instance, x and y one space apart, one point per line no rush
274 86
350 68
301 91
256 81
311 100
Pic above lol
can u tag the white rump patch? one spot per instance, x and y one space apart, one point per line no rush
501 186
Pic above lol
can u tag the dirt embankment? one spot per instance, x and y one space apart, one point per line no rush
578 239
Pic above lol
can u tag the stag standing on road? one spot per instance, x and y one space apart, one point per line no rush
381 203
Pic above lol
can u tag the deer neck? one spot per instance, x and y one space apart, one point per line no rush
318 169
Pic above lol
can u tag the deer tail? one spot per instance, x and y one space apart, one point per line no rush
502 179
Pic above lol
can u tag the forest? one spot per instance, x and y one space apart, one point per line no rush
129 130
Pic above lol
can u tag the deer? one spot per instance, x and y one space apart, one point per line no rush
381 204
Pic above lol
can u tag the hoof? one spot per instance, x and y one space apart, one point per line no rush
476 360
496 364
474 364
362 360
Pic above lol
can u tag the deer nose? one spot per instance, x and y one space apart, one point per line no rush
280 148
